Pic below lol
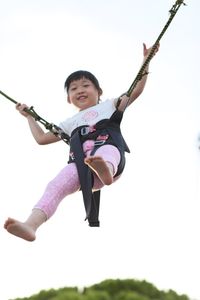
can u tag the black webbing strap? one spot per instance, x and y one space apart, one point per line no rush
91 199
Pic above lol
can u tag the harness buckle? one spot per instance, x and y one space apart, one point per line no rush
87 129
101 139
99 142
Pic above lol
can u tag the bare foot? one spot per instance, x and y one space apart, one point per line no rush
20 229
100 167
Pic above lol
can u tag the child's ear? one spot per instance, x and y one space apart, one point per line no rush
68 99
100 92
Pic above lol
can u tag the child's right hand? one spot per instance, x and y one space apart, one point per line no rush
21 108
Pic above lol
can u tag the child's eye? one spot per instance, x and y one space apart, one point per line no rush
86 85
73 88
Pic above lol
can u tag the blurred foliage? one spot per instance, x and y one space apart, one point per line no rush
110 289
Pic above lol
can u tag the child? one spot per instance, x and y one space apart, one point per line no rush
96 150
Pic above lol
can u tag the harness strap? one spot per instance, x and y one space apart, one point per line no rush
91 199
105 128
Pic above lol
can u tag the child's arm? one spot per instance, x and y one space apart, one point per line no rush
41 137
140 85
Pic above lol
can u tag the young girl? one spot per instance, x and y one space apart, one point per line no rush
96 150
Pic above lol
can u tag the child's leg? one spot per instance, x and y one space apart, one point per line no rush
104 163
65 183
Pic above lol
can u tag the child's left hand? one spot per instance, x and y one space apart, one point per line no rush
146 50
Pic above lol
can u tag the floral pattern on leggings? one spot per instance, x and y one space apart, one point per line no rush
67 180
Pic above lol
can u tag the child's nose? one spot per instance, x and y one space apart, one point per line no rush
80 90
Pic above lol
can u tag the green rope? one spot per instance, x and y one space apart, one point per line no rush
142 71
49 126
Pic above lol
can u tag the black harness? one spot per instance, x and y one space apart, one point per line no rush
106 131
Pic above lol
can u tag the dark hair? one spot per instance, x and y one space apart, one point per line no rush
79 75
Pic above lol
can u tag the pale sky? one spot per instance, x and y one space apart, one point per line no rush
150 225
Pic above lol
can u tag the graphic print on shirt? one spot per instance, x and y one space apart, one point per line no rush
90 116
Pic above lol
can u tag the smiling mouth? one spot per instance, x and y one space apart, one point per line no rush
82 98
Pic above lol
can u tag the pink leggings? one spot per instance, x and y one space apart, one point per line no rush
67 181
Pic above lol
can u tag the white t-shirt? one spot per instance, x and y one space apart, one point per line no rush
89 116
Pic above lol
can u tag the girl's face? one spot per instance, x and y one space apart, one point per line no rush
83 93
